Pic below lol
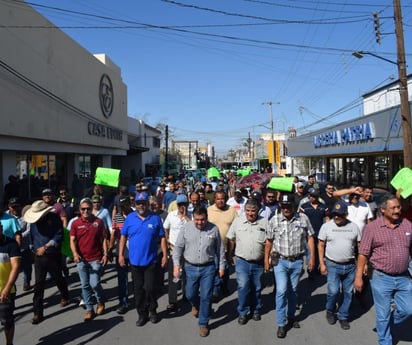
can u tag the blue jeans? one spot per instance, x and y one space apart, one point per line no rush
340 275
287 274
90 273
200 277
385 289
249 287
123 281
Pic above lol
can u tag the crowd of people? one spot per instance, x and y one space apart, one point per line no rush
197 231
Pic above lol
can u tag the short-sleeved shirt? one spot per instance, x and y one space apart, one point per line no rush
175 224
89 235
289 236
388 249
360 214
143 235
340 241
250 237
316 215
8 249
221 218
10 225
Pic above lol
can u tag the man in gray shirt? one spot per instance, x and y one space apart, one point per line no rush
199 242
248 234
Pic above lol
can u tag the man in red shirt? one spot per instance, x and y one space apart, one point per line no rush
387 244
89 247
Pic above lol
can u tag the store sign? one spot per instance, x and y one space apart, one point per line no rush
350 135
100 130
106 96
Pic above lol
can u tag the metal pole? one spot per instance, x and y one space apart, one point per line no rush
403 87
272 139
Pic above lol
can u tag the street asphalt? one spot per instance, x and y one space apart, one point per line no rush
66 326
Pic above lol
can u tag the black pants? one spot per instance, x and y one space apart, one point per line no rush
144 281
173 288
42 264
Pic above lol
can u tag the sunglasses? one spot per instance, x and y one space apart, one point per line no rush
85 209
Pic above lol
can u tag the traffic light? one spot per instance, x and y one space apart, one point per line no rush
377 27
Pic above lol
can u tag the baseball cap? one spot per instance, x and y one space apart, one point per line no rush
181 198
96 197
286 199
340 208
238 191
143 196
299 184
14 202
313 192
256 195
47 191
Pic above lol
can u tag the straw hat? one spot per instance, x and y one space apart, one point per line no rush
37 210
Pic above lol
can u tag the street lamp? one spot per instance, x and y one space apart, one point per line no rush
403 84
360 53
274 170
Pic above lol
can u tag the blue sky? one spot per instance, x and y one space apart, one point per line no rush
205 67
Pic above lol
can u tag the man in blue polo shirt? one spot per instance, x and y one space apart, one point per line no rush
143 229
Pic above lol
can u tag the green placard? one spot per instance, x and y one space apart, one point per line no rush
281 183
403 179
107 177
65 248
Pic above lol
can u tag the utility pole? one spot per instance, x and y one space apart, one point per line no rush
403 86
274 170
167 150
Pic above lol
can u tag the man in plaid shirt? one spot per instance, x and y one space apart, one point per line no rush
285 250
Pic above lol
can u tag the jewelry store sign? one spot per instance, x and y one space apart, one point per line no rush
356 134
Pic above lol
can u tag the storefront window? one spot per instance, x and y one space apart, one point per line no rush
381 171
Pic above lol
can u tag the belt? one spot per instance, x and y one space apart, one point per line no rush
349 262
392 274
257 262
201 265
292 258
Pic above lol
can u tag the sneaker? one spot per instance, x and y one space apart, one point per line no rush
330 317
203 331
82 304
64 302
122 309
89 315
195 311
344 324
100 309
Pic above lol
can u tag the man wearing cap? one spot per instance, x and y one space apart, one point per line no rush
48 197
173 224
247 236
199 243
264 210
317 214
143 229
46 235
387 245
340 236
222 215
285 250
237 201
89 247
